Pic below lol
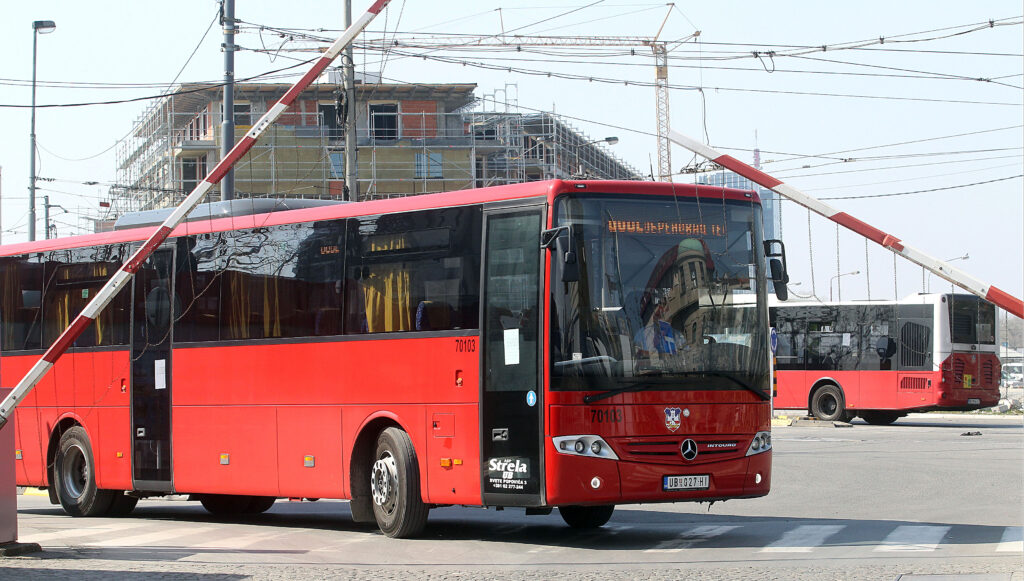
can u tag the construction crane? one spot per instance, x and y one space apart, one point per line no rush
659 48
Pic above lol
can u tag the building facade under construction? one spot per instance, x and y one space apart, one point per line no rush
410 138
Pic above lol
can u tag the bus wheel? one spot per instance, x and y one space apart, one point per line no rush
75 476
827 404
228 504
586 517
122 504
260 504
879 418
395 486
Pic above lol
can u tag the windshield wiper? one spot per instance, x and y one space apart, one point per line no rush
646 386
614 392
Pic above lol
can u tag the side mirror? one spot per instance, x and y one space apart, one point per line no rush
566 251
775 252
780 278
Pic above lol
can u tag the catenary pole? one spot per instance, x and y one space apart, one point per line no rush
938 267
128 270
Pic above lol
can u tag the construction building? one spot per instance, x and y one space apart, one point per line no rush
411 139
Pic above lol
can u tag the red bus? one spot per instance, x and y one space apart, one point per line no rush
539 345
881 360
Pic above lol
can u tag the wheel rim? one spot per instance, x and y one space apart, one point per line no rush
829 405
74 471
384 482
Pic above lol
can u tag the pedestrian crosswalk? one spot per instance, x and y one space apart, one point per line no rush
763 538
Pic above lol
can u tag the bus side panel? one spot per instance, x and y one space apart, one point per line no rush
112 448
792 390
30 469
225 449
917 389
310 452
336 373
453 452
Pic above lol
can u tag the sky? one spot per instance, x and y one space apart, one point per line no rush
875 106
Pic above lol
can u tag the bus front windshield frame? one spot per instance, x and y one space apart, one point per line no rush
670 296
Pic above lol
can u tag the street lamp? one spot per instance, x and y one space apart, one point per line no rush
38 27
840 285
579 166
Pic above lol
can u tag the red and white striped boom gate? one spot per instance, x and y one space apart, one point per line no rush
127 271
938 267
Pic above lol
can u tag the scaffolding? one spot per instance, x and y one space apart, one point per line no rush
411 139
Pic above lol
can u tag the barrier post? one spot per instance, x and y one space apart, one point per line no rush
9 545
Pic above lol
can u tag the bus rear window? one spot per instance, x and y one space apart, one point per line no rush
971 320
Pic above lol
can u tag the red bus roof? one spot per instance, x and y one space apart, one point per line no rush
547 189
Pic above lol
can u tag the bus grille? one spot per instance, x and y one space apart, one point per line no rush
914 383
664 450
988 373
958 371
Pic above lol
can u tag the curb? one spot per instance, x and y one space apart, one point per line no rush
29 491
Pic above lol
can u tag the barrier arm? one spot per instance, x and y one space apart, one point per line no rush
127 271
936 266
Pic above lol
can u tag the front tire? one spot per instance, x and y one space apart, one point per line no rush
586 517
74 476
828 404
395 486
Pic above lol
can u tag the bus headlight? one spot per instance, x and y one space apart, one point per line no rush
761 443
589 446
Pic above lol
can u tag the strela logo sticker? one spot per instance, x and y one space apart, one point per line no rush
672 416
508 473
509 467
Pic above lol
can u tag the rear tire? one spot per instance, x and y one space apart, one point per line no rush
260 504
879 417
828 404
236 505
586 517
74 476
395 486
122 505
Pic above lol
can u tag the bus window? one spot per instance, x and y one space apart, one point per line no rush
413 272
21 281
73 277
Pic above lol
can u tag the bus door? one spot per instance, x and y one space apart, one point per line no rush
511 405
151 373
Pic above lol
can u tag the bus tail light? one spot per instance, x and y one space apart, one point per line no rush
586 445
762 442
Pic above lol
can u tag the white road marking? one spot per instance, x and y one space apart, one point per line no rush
1012 541
72 536
913 538
152 538
691 537
803 539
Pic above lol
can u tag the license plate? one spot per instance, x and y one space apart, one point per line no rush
689 482
973 401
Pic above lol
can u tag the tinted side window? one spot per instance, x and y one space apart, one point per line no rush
21 296
417 271
73 277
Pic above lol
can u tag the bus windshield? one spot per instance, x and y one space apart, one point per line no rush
669 296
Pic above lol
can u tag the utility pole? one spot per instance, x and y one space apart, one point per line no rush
227 126
351 149
46 216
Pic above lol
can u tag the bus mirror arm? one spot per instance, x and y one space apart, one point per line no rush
777 267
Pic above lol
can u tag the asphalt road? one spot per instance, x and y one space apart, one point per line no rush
915 500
